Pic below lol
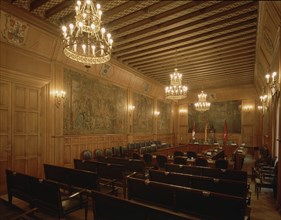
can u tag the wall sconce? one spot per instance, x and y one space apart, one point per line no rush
273 83
59 96
248 108
182 111
262 109
131 108
156 113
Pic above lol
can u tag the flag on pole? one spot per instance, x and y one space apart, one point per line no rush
193 131
225 132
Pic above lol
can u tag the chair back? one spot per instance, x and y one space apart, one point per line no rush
86 155
200 161
178 153
136 156
108 152
147 159
180 160
191 154
221 163
98 153
161 161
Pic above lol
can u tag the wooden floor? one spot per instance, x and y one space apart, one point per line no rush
262 209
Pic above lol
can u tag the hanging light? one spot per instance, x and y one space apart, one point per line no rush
86 41
176 90
202 105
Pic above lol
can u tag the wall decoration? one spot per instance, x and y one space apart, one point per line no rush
164 118
15 30
214 118
143 114
93 106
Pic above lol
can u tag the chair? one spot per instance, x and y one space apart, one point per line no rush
180 160
136 156
124 151
98 154
116 151
147 159
266 178
178 153
161 161
108 152
47 196
200 161
221 163
191 154
86 155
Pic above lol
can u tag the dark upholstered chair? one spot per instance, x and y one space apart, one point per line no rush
47 196
86 155
161 161
147 159
221 163
98 154
191 154
136 156
178 153
200 161
180 160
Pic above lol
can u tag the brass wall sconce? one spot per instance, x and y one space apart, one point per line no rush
131 108
59 97
156 113
273 83
182 111
247 108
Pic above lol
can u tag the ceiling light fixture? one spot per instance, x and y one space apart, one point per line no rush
176 90
86 41
202 105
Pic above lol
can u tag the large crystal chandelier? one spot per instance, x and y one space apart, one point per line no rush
86 41
202 105
176 90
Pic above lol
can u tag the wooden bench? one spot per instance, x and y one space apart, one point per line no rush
72 178
107 207
43 194
200 203
229 187
207 171
109 174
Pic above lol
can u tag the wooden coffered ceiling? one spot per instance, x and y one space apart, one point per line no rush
212 43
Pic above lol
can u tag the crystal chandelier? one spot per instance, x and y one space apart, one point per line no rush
202 105
176 90
86 41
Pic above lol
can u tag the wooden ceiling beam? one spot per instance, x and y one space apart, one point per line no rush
36 4
214 65
133 15
57 8
185 47
164 35
177 20
140 51
188 57
118 9
197 50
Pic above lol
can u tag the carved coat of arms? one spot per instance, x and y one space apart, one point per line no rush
15 30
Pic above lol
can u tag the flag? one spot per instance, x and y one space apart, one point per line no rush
225 132
206 131
193 131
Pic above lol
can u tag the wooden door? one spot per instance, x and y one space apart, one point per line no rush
19 130
5 132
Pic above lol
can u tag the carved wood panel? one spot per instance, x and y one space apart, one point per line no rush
25 120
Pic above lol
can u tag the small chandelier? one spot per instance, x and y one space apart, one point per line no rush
86 41
176 90
202 105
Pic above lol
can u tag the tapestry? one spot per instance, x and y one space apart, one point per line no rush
143 114
93 106
214 118
164 118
